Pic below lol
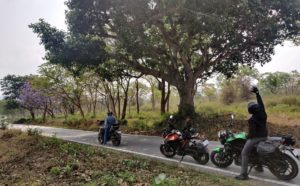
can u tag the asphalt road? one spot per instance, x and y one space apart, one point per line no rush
148 146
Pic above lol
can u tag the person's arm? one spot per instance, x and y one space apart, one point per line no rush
260 101
258 98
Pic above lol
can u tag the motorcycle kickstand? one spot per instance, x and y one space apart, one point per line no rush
181 158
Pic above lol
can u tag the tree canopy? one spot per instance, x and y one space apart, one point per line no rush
179 41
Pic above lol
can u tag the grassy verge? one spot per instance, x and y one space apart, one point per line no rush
29 159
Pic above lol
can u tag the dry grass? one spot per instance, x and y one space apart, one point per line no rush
36 160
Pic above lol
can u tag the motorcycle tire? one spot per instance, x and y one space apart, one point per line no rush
279 167
202 158
100 138
167 150
221 162
116 142
116 139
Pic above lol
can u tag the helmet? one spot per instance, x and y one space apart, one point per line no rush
171 119
253 107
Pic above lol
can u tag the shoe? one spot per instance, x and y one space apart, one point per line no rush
242 177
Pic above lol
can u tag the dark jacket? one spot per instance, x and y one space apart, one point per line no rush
258 121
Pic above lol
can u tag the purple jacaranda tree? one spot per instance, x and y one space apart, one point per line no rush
31 99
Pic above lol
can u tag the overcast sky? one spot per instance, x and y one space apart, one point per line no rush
21 54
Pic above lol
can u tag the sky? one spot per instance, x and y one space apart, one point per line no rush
21 53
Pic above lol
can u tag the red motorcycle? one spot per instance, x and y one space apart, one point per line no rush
185 143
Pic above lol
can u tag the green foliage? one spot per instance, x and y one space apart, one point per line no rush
135 164
51 142
3 122
10 85
127 177
55 171
163 180
273 82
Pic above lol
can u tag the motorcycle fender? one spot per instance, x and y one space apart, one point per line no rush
218 149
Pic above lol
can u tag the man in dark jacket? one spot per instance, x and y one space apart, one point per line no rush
257 132
109 121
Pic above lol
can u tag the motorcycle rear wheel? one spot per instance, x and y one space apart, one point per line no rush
100 138
282 165
202 158
221 160
167 150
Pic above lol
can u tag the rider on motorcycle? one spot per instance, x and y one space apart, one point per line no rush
109 121
257 132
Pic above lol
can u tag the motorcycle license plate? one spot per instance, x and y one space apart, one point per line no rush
295 152
205 142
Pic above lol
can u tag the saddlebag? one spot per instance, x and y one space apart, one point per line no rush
266 147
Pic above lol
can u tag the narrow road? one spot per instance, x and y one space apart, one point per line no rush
148 146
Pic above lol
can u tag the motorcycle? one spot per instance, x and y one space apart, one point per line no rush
185 143
271 153
114 134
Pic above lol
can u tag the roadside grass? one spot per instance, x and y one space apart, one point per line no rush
36 160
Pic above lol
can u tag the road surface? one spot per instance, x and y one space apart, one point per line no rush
148 146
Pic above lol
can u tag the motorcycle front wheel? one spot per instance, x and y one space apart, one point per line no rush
202 158
220 159
284 168
167 150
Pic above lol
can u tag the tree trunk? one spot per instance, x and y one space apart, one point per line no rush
186 104
32 114
118 100
168 101
162 99
153 98
164 96
125 100
137 97
45 112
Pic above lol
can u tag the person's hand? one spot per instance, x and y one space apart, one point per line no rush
254 89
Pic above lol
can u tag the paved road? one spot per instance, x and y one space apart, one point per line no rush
148 146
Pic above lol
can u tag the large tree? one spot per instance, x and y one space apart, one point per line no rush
11 85
179 41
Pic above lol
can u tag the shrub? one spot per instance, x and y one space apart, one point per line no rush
291 101
163 180
34 132
51 141
3 122
55 171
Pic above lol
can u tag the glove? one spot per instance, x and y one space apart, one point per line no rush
254 89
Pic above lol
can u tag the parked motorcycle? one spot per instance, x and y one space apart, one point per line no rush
114 134
185 143
271 153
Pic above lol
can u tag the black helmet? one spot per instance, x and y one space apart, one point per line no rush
253 107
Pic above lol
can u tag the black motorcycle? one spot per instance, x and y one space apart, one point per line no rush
114 134
271 153
185 143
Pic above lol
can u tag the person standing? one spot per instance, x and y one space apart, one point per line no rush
257 132
109 121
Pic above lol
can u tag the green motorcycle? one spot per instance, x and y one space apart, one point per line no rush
271 153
